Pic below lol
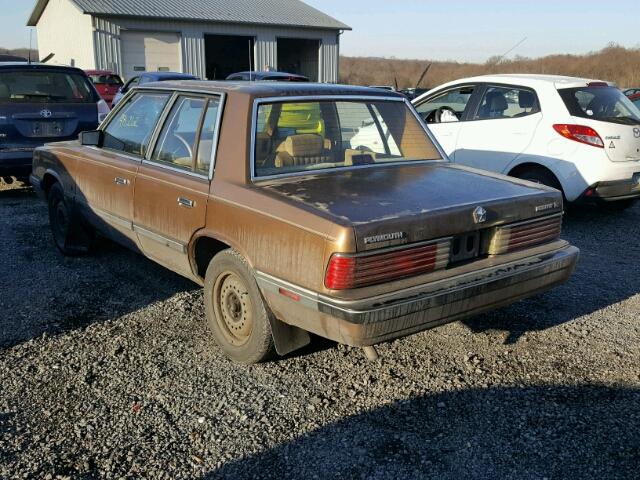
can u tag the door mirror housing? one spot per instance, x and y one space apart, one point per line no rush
92 138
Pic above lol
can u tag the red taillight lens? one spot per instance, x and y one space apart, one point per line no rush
580 133
345 272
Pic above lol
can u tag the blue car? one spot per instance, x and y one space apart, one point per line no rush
149 77
41 104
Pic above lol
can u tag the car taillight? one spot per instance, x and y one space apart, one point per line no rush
353 271
516 236
580 133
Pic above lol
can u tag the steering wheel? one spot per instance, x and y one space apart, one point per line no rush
186 144
444 115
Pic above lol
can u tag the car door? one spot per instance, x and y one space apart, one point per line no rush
105 176
500 128
172 184
436 110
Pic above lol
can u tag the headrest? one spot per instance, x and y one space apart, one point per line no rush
304 145
526 99
497 102
4 91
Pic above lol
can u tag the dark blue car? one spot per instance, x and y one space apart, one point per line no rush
148 77
41 104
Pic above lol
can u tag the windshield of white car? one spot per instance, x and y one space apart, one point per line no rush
606 104
293 137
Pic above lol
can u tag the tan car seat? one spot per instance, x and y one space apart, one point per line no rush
304 149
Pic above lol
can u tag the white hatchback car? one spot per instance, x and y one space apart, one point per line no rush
578 135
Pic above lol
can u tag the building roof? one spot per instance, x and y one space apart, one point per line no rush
289 13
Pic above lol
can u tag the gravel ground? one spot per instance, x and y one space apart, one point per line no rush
107 371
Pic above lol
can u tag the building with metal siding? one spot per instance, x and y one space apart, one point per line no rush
207 38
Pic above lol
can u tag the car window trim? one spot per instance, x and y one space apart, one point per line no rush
465 112
486 86
310 98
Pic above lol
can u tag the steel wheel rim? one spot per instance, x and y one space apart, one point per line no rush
233 308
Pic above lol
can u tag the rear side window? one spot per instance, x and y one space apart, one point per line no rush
38 86
607 104
507 102
186 140
131 128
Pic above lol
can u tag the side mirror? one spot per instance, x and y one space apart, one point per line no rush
92 138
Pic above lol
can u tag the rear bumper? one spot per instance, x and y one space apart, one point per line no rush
384 317
612 191
16 163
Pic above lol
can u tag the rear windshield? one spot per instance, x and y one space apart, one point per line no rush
321 135
607 104
106 79
36 86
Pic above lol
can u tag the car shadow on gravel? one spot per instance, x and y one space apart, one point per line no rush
45 292
535 432
607 273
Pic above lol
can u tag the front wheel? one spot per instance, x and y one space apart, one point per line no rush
70 235
236 313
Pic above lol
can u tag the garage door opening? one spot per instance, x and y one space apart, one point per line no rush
299 55
227 54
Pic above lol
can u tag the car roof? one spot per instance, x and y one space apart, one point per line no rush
270 89
526 80
38 66
99 72
172 75
269 73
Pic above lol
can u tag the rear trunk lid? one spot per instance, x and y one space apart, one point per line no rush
610 113
411 203
32 124
621 142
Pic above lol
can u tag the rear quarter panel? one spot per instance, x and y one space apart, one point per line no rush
275 237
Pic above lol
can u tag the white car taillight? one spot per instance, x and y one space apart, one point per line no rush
103 110
580 133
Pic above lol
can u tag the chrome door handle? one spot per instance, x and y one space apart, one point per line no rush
185 202
121 181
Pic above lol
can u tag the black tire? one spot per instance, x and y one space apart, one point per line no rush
620 205
236 312
539 176
70 235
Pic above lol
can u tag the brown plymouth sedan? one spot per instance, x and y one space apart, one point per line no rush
297 216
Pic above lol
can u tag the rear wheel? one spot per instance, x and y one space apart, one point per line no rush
69 234
620 205
236 313
539 176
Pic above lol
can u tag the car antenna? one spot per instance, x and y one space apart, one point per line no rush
30 43
47 58
250 63
424 74
499 59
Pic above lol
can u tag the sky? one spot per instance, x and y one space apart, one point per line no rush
460 30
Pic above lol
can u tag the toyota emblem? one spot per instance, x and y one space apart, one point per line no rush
479 215
45 113
636 132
